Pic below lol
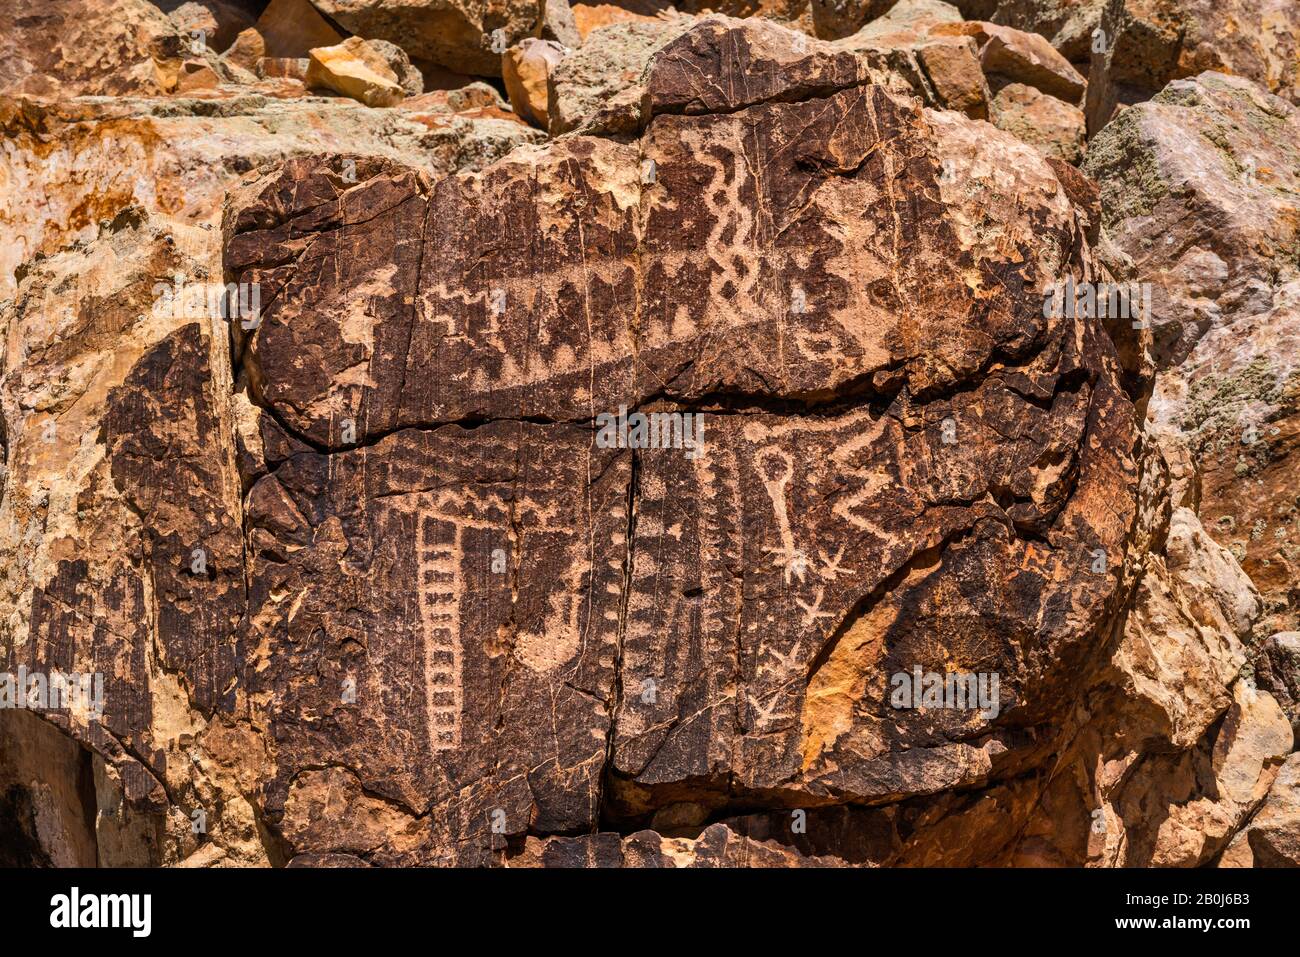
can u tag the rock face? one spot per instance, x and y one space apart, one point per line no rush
1201 197
915 51
424 480
69 48
356 69
110 204
715 479
178 157
960 65
1277 670
1147 43
468 36
1043 121
1272 839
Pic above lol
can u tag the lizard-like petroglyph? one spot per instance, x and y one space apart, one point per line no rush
831 568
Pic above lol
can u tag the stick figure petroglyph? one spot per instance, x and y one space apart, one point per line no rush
776 469
765 715
831 568
788 662
812 612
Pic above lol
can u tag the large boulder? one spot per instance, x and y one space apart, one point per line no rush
878 493
355 69
1145 44
960 65
1020 57
52 48
1200 190
603 87
943 70
1070 25
526 70
712 485
1173 747
467 36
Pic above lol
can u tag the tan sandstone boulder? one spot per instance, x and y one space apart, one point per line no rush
1144 44
526 69
1052 125
1201 194
356 69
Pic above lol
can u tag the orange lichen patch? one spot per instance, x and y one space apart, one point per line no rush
588 17
439 121
842 680
841 683
93 208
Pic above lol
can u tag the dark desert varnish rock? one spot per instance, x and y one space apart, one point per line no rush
904 464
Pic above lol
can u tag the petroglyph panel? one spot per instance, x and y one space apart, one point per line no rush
904 461
365 586
440 556
778 581
467 583
789 250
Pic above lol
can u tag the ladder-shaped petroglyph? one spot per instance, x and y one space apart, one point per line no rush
438 567
444 519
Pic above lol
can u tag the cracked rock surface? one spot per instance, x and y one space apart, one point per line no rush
369 584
